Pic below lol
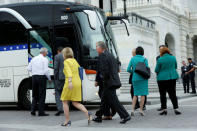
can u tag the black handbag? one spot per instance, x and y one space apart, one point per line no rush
143 70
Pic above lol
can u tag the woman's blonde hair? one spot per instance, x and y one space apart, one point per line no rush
67 53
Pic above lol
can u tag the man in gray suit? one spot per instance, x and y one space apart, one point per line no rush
59 79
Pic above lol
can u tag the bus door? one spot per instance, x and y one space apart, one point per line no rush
65 36
38 39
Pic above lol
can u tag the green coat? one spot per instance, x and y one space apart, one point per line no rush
166 68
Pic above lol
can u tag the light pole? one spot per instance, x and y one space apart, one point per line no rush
125 7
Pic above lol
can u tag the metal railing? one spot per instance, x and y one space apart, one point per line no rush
138 20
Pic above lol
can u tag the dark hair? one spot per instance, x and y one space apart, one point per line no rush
139 51
162 46
189 59
60 48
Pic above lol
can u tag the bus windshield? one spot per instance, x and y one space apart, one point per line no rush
90 35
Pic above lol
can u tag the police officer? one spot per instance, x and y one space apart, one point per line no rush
185 77
191 72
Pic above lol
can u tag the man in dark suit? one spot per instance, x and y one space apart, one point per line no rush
191 72
185 77
108 71
59 79
108 112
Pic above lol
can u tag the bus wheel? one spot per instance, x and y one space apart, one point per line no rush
24 96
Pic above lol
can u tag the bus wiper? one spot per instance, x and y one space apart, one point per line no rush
121 18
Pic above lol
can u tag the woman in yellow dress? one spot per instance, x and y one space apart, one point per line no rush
72 86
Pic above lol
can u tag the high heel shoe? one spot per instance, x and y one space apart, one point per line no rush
142 114
67 124
89 117
164 112
177 112
132 113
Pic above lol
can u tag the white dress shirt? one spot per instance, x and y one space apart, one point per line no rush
39 66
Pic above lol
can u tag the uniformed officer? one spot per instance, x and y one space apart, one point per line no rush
185 77
191 72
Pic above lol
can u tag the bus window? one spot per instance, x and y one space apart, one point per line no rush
90 36
38 39
12 32
110 36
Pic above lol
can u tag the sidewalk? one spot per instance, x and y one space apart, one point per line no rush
153 97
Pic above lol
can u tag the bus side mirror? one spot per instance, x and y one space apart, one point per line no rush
121 18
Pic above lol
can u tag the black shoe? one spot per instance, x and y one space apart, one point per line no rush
125 120
193 93
44 114
177 112
144 108
33 113
160 109
137 107
97 119
187 91
163 113
58 113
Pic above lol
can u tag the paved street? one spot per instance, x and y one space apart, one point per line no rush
16 120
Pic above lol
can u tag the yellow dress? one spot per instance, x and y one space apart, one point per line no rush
71 69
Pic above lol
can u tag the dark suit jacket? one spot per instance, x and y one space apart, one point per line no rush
58 67
108 70
184 69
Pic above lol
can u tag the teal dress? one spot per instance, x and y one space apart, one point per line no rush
166 68
140 85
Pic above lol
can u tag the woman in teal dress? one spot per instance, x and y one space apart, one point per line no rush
140 84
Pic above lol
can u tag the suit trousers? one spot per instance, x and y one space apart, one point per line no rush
161 95
107 111
168 86
38 93
109 96
186 84
59 84
192 80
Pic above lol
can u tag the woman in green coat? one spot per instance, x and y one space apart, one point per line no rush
140 85
166 77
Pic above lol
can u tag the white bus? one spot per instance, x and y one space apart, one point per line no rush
27 27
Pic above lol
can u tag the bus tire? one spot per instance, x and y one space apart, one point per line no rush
24 95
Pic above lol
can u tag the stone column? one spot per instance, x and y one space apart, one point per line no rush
184 26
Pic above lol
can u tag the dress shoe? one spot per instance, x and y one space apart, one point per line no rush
160 109
125 120
44 114
137 107
177 112
97 119
164 112
33 113
58 113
